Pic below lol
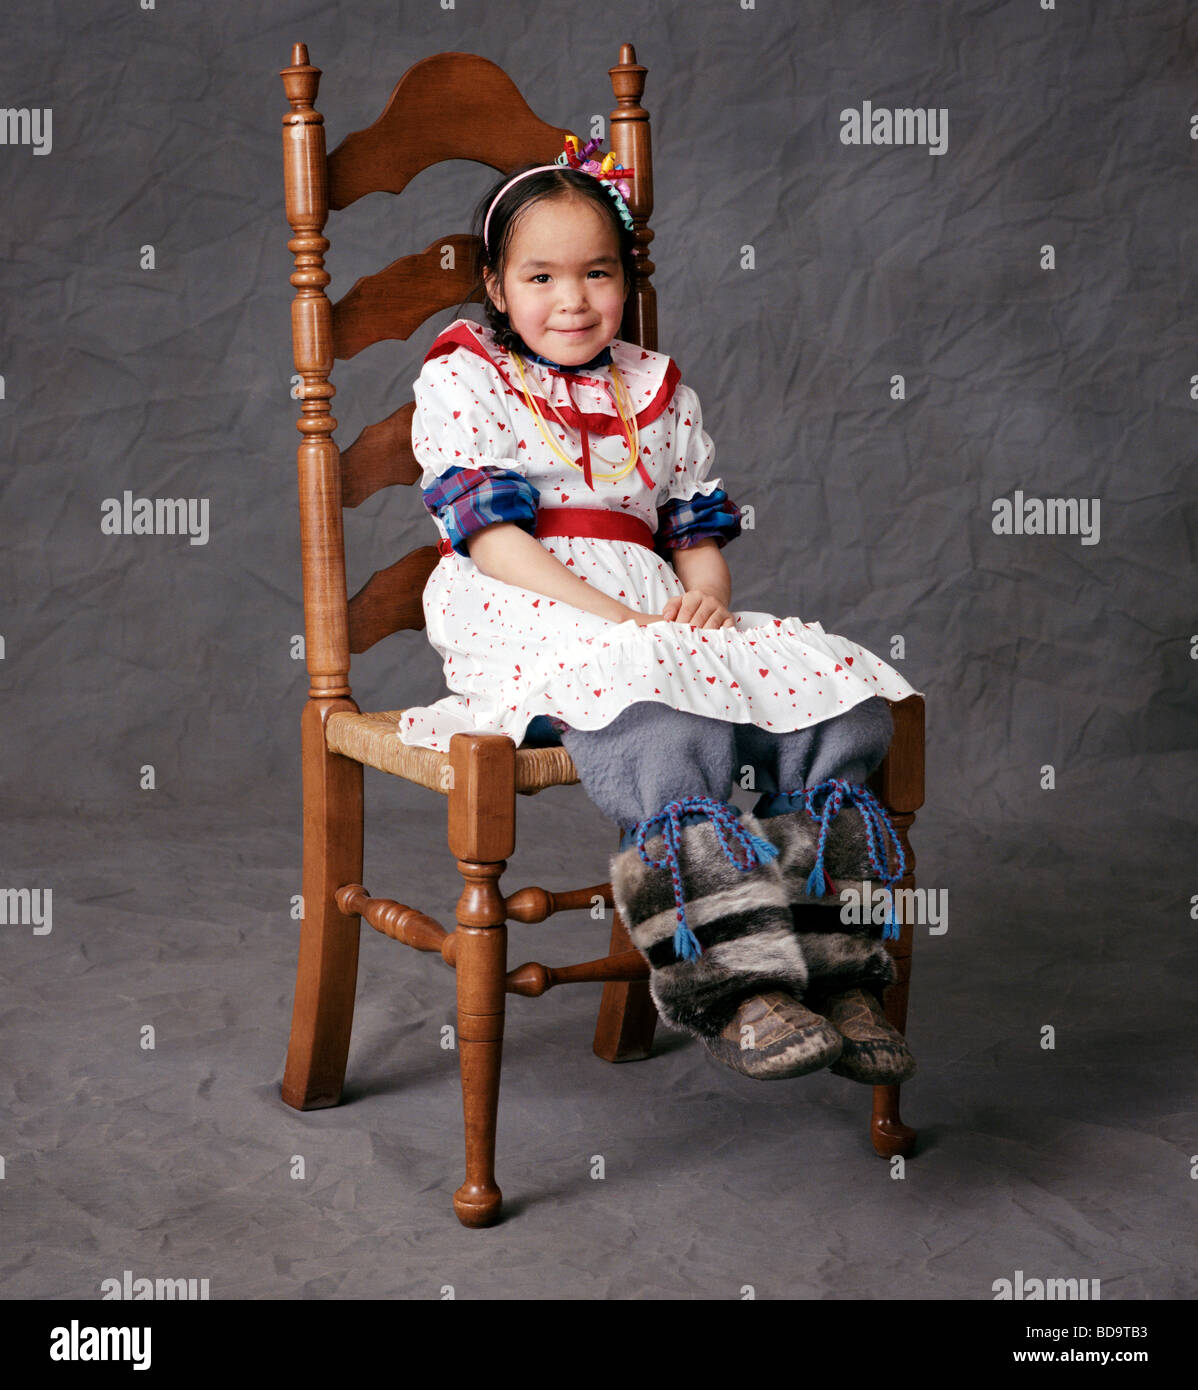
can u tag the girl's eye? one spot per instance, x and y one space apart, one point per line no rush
536 279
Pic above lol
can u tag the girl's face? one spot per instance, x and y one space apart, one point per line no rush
563 285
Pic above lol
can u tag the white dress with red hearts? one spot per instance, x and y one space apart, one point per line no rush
510 654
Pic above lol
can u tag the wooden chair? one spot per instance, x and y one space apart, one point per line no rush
449 106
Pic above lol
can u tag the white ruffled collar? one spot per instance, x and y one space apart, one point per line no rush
643 372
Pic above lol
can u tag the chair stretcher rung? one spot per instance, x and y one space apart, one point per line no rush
393 919
533 978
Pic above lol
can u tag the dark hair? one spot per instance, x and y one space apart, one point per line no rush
549 183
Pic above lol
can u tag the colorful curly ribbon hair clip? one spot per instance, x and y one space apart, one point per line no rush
612 175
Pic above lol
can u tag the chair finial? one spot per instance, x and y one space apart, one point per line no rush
301 79
628 80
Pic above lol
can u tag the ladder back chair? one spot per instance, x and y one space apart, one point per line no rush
448 106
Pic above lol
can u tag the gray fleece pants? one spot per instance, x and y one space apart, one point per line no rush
651 754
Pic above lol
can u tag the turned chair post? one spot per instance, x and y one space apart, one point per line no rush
632 147
327 970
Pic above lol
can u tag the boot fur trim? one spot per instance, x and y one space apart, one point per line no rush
838 960
740 918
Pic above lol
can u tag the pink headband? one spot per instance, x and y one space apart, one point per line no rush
538 170
612 176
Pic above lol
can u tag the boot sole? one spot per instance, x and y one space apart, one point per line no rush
794 1057
882 1069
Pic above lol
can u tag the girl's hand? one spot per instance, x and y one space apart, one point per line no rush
699 609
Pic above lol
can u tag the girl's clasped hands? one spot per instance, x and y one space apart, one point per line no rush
696 607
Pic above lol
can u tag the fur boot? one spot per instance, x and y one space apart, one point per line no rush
703 902
772 1035
838 956
873 1051
823 849
820 845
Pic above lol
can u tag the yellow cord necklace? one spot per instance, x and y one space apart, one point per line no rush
628 422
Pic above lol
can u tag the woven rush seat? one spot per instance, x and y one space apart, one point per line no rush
373 739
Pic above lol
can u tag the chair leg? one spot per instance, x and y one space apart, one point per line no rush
898 782
327 974
889 1134
482 836
627 1014
481 965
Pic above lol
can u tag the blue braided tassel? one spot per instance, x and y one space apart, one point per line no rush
725 818
875 819
766 849
686 943
890 929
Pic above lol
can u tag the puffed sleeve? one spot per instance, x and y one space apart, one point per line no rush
694 507
463 440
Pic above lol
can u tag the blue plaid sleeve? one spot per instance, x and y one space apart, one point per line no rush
682 523
467 499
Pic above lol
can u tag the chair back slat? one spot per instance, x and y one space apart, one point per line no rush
379 457
449 106
391 600
394 302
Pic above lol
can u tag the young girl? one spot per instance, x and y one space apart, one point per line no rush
582 593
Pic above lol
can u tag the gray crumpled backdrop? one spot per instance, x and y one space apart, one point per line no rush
1068 907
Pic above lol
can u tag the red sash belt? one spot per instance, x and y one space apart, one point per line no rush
600 522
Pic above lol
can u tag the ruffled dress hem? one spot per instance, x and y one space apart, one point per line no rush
779 673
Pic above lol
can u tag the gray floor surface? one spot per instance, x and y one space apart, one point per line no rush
1071 1162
